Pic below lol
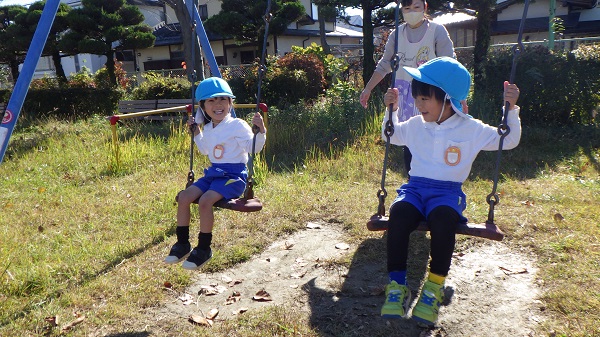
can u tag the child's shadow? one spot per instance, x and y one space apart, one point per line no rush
354 309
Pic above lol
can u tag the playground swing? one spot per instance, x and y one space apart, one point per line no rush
248 202
487 230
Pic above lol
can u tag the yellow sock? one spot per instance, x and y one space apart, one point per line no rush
437 279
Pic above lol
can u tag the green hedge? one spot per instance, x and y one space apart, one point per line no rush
70 102
556 87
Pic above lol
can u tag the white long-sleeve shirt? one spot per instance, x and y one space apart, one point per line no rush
446 151
229 142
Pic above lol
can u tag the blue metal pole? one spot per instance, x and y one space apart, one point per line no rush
15 103
204 42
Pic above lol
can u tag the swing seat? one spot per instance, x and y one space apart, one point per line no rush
485 230
239 204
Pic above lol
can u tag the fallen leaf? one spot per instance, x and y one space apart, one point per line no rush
558 217
197 319
298 275
509 272
40 228
41 189
187 299
79 319
236 296
53 320
342 246
262 295
240 311
212 314
527 203
208 291
313 225
234 282
167 284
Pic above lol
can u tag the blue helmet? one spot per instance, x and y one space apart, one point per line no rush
213 87
447 74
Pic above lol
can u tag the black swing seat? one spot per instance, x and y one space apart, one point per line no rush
239 204
485 230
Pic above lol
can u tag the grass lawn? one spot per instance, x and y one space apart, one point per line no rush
84 235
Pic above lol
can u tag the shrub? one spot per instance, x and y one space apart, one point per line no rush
556 87
102 79
334 66
295 77
157 86
82 79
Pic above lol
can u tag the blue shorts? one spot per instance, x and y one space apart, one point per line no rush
426 194
229 180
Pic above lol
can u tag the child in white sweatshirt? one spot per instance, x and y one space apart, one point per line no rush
444 141
226 141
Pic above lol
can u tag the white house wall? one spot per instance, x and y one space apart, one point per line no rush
590 14
537 9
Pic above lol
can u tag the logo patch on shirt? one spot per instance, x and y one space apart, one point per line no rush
452 156
218 151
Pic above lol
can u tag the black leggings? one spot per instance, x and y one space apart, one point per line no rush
407 158
404 219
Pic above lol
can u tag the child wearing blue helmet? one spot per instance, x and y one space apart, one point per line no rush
444 141
226 141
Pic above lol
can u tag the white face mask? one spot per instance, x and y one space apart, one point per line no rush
413 18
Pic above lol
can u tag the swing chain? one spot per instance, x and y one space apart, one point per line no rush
262 69
503 129
389 125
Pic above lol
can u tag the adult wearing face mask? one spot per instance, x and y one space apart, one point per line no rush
419 40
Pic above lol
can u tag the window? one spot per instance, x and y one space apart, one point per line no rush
203 11
247 56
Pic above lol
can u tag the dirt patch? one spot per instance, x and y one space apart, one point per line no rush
491 290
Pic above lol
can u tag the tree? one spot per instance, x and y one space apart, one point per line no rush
243 20
11 51
102 25
374 15
185 23
327 11
485 10
29 21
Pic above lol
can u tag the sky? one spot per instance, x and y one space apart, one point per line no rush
350 11
15 2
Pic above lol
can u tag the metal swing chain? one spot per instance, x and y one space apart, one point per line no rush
262 68
389 125
190 177
503 129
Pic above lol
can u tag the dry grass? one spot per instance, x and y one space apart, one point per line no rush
82 235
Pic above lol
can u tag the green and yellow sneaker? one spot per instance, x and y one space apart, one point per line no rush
426 310
397 300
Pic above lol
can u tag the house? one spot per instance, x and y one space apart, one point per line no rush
168 52
580 19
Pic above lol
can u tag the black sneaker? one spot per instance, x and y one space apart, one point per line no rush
197 259
178 252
